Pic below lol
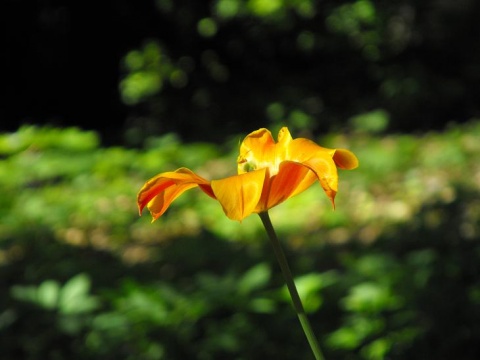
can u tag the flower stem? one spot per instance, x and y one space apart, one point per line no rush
287 274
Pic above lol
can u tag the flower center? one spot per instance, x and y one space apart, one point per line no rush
249 166
246 165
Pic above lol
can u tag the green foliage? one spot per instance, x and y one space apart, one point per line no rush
148 69
374 121
233 65
359 21
86 277
263 9
72 298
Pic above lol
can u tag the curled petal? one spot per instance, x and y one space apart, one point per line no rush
239 194
326 171
319 160
258 141
345 159
161 190
301 150
309 179
291 179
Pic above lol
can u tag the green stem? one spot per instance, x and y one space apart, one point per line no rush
287 274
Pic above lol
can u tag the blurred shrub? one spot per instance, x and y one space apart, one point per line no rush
85 277
148 69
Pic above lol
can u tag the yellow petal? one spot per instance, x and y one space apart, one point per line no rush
161 190
301 149
239 194
257 148
326 172
284 136
281 148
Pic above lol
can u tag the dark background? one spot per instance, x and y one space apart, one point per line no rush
63 65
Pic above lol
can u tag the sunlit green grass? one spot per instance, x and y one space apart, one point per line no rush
374 273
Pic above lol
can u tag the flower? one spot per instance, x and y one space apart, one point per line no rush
268 174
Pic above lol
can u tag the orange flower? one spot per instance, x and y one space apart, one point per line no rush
268 174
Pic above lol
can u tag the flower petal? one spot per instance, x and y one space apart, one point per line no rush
292 178
309 179
326 172
161 190
239 194
259 150
319 160
259 147
345 159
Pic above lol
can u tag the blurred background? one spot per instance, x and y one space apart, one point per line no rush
100 97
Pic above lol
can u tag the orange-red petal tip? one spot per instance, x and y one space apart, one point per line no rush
345 159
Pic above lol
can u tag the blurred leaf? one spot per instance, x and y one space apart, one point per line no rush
256 277
309 288
39 138
24 293
48 294
356 330
207 27
372 122
370 297
74 296
148 69
264 7
263 305
377 349
344 338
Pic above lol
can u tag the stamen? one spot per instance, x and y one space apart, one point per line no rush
249 166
